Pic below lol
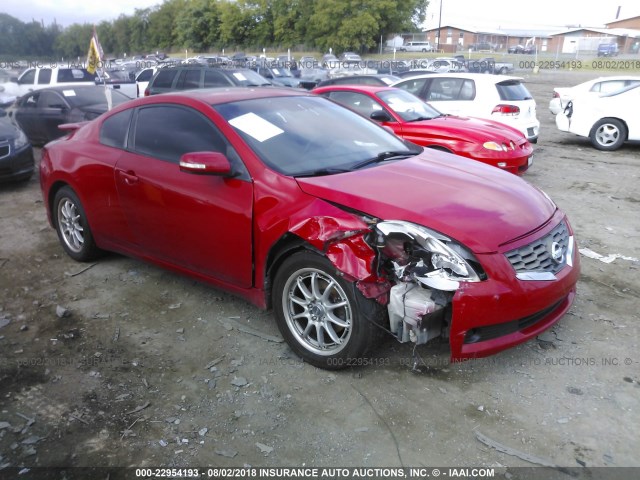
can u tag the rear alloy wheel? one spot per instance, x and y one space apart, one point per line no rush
608 134
323 318
72 226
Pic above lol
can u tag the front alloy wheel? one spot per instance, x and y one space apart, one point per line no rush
323 318
317 311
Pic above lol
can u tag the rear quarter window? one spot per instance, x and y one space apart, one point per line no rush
114 129
513 90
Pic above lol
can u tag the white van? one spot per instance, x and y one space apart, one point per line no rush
416 47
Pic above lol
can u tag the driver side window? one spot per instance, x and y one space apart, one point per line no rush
167 132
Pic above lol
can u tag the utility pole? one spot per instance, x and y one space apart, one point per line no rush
439 26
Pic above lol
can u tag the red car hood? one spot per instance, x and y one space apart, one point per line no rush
469 128
478 205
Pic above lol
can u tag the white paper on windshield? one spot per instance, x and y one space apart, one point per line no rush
69 93
240 76
256 126
401 106
365 144
276 71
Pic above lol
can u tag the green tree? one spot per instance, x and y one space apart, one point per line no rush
121 36
73 42
198 25
358 24
161 31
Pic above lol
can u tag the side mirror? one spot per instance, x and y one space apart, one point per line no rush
380 116
3 113
205 163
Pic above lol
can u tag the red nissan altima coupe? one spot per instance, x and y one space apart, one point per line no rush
411 118
296 203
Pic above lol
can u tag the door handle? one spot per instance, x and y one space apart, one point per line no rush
129 177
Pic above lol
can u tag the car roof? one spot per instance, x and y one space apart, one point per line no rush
215 96
373 89
479 77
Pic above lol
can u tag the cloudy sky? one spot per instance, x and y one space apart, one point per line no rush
471 13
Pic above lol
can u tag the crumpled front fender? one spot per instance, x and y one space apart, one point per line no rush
340 236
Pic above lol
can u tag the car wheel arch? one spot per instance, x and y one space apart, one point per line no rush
284 247
53 191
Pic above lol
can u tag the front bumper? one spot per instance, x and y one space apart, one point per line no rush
17 166
515 161
503 311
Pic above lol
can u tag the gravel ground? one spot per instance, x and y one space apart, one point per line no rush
120 363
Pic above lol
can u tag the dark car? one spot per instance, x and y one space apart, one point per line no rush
279 76
376 79
516 49
413 73
16 154
188 77
239 187
310 77
41 112
392 67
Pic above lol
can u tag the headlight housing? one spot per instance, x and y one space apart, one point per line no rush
495 146
21 139
429 257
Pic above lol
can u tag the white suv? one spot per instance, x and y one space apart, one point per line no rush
496 97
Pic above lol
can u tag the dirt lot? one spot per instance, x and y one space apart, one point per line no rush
120 363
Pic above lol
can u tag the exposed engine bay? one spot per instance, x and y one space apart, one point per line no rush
425 268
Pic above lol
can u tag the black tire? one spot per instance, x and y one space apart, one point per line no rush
608 134
305 285
72 226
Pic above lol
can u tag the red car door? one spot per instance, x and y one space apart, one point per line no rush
200 223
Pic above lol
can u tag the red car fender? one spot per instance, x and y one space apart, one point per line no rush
341 238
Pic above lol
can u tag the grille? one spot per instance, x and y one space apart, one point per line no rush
4 150
537 256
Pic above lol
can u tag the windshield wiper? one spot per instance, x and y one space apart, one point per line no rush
421 118
383 156
322 171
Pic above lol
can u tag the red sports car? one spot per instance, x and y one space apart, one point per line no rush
296 203
412 119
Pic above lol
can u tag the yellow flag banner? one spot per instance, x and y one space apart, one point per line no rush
95 55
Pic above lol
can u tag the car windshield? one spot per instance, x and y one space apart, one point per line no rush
302 136
409 107
281 72
81 97
249 78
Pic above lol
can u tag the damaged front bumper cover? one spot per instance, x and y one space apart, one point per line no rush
434 287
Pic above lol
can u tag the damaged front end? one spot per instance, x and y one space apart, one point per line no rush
425 268
412 270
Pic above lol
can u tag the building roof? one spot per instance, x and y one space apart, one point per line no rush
615 32
505 32
633 17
